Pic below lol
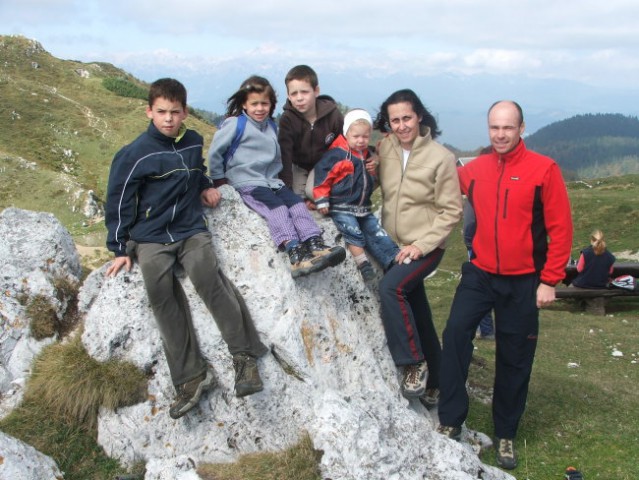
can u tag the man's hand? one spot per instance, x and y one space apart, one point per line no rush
211 197
117 264
545 295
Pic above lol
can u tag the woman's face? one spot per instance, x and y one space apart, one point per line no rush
404 123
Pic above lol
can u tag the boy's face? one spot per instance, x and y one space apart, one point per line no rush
358 136
167 116
257 106
302 96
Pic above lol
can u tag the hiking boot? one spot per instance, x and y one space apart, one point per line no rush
367 271
189 393
454 433
573 474
414 383
505 453
317 248
430 398
247 378
303 262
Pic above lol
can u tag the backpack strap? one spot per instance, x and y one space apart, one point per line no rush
239 131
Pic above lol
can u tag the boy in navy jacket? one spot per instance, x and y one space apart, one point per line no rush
154 215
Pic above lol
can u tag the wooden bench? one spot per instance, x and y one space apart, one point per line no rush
594 299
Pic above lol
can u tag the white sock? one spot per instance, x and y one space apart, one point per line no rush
361 258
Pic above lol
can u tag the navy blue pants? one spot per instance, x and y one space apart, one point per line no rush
513 299
406 315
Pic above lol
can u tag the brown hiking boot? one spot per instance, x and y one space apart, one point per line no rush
505 453
303 262
317 248
415 376
189 393
247 377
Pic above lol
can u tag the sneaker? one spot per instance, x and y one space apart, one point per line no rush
414 383
367 271
317 248
454 433
505 453
573 474
303 262
430 398
247 378
189 393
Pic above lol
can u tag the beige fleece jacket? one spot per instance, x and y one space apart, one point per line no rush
421 205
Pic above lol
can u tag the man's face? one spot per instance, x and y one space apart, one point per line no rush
167 116
505 127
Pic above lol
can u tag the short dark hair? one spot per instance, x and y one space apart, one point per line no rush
168 88
517 106
302 72
381 122
253 84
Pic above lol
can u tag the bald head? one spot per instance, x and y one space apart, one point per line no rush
505 125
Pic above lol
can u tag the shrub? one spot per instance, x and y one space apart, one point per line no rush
124 88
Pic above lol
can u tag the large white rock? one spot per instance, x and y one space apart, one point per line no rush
329 372
19 461
36 251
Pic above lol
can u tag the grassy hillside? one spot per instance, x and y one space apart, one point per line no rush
60 127
591 146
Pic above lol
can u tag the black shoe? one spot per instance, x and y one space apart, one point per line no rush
303 262
189 393
367 271
505 453
317 248
247 377
454 433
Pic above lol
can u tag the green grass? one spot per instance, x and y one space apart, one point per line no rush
583 416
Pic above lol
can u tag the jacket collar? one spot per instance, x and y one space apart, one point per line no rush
155 133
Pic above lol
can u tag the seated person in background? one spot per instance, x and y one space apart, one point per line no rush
343 189
595 264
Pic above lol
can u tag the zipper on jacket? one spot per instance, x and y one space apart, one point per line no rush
177 200
500 164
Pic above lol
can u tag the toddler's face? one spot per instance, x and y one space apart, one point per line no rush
257 106
358 136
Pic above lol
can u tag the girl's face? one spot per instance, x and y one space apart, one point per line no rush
404 123
257 106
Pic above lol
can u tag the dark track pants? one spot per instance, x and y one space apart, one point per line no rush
171 309
407 317
513 299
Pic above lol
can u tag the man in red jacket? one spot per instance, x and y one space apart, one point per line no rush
520 250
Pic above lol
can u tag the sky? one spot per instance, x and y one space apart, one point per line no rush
557 59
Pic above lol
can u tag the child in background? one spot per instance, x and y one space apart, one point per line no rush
595 264
309 124
343 189
154 215
252 168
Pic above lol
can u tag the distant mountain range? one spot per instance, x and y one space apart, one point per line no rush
62 121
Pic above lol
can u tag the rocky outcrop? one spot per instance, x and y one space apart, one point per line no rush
19 461
328 372
37 255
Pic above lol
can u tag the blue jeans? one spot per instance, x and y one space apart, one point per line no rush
366 232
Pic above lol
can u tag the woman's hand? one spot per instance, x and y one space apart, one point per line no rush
410 252
371 165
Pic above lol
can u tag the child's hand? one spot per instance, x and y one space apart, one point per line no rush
371 164
117 264
211 197
324 211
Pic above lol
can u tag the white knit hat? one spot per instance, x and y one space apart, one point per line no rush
356 114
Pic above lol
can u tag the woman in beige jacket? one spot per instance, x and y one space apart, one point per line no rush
421 204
